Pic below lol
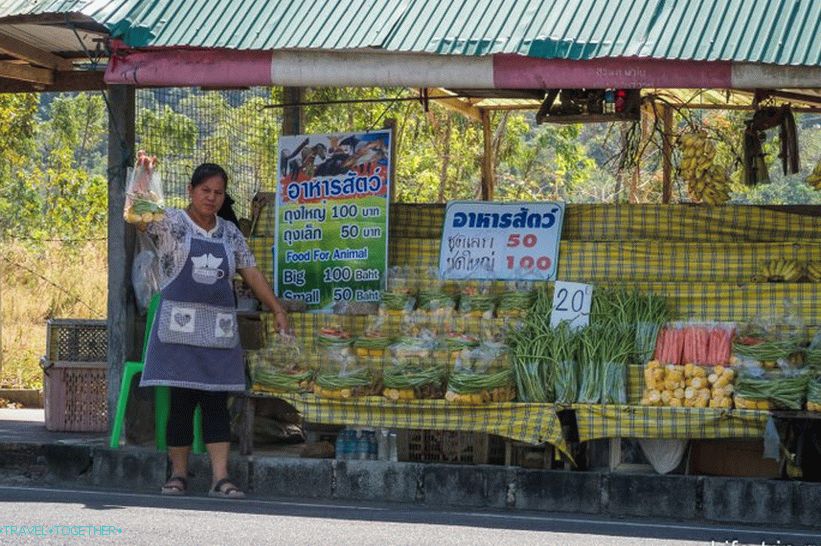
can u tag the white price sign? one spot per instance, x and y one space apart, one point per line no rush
571 303
507 241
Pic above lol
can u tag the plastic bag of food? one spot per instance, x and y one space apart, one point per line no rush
398 296
373 343
144 194
670 344
413 373
482 375
516 300
757 388
477 300
434 300
769 342
280 368
341 375
814 394
450 346
145 271
812 356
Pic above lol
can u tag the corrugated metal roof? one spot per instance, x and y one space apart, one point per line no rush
783 32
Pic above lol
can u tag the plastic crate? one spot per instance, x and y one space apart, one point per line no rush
75 375
77 340
76 396
444 446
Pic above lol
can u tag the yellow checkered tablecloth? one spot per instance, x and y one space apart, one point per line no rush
598 421
530 423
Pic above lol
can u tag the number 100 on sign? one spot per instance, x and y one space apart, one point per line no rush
526 262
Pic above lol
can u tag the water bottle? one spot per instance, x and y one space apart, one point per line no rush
344 444
362 445
373 446
382 452
392 455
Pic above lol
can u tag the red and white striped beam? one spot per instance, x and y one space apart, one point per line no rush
233 68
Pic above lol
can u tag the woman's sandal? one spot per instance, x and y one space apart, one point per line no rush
176 485
230 492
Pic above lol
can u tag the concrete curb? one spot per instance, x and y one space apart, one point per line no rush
687 498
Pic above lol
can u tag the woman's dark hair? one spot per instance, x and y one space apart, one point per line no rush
206 171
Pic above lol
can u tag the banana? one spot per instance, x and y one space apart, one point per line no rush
782 269
814 271
706 182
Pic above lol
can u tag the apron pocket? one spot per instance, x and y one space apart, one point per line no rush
197 324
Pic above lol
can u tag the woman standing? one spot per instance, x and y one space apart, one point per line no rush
194 342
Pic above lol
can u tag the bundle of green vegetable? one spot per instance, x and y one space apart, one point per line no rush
564 354
530 347
642 314
783 391
764 350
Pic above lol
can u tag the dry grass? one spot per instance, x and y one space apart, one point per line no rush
56 281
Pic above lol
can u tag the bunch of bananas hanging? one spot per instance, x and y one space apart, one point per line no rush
814 271
814 179
782 269
706 181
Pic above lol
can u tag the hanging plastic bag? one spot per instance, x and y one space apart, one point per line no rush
144 201
145 271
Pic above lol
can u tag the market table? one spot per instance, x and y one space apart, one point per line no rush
653 422
529 423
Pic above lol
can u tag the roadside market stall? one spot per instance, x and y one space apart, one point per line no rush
706 262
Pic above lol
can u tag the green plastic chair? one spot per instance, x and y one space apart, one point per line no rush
162 397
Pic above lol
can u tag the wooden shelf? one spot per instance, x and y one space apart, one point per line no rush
591 118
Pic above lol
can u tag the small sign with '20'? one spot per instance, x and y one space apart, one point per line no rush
571 304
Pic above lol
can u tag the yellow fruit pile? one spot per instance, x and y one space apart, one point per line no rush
687 386
706 182
813 406
399 394
814 179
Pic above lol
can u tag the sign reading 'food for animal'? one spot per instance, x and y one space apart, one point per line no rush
505 241
332 218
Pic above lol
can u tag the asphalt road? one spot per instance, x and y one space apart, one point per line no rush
68 516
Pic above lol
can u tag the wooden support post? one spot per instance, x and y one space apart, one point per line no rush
667 155
390 123
121 237
293 117
487 158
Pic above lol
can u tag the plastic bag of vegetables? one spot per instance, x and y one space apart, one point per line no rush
756 389
482 375
280 368
761 343
342 376
812 357
144 192
450 346
412 372
814 394
398 297
373 343
477 299
516 300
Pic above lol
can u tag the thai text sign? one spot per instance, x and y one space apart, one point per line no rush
506 241
332 218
